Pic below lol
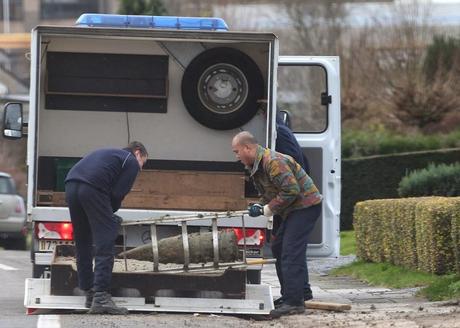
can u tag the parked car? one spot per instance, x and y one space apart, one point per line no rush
13 229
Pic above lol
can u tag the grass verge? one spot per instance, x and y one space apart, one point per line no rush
347 242
385 274
436 288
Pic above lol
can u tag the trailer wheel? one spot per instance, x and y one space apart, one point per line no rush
221 87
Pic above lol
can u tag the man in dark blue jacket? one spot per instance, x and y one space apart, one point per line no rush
286 143
95 188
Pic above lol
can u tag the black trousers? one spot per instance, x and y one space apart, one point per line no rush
93 223
289 247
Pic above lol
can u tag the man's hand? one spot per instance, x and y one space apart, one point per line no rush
255 210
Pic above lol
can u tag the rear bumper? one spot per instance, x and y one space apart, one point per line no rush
12 226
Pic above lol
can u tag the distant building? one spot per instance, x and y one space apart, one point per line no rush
20 16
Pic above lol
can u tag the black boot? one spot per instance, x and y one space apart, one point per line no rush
278 302
89 297
103 304
286 309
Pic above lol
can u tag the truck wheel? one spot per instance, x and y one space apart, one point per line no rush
221 87
19 243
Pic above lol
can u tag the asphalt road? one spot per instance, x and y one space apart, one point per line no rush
372 306
15 267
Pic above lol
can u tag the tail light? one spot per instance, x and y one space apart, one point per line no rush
254 237
19 208
54 230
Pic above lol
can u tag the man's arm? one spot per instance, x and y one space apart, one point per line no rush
124 183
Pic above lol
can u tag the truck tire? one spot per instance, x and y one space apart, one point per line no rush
221 87
19 243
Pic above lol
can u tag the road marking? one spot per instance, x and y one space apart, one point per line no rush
48 321
7 268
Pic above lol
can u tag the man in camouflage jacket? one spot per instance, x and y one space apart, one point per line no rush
288 191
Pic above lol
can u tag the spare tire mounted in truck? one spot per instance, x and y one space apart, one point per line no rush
221 87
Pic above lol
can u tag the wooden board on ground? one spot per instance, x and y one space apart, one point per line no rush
339 307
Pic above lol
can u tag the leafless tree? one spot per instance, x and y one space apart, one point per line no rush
381 63
319 25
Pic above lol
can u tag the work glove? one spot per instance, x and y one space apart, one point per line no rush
255 210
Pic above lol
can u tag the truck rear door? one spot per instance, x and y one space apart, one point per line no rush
309 90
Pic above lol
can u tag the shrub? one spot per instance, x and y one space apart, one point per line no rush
380 142
378 177
417 233
440 56
456 237
435 180
435 247
378 240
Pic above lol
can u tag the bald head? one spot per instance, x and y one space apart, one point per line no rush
245 138
244 145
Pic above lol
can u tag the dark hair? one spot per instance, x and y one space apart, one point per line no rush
136 145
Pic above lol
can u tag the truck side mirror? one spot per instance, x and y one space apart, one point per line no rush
12 121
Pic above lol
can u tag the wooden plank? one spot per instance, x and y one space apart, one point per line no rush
171 202
178 190
190 183
187 190
178 202
327 306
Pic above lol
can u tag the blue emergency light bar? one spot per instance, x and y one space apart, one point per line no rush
162 22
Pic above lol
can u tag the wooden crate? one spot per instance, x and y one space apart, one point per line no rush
176 190
51 198
187 190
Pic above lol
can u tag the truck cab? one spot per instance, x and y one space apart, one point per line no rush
183 87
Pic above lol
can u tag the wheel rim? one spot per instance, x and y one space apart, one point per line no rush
222 88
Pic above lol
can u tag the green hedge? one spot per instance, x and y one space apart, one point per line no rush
417 233
456 237
378 177
435 248
435 180
359 143
385 231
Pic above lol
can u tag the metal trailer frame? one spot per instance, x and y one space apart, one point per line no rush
258 298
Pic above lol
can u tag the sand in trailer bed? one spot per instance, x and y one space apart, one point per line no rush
140 266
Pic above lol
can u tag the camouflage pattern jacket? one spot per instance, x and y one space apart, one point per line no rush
282 182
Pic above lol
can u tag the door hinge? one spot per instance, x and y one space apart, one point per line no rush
325 99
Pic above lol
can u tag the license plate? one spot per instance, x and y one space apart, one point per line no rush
252 252
50 245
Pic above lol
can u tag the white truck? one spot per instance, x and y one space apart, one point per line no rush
183 87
